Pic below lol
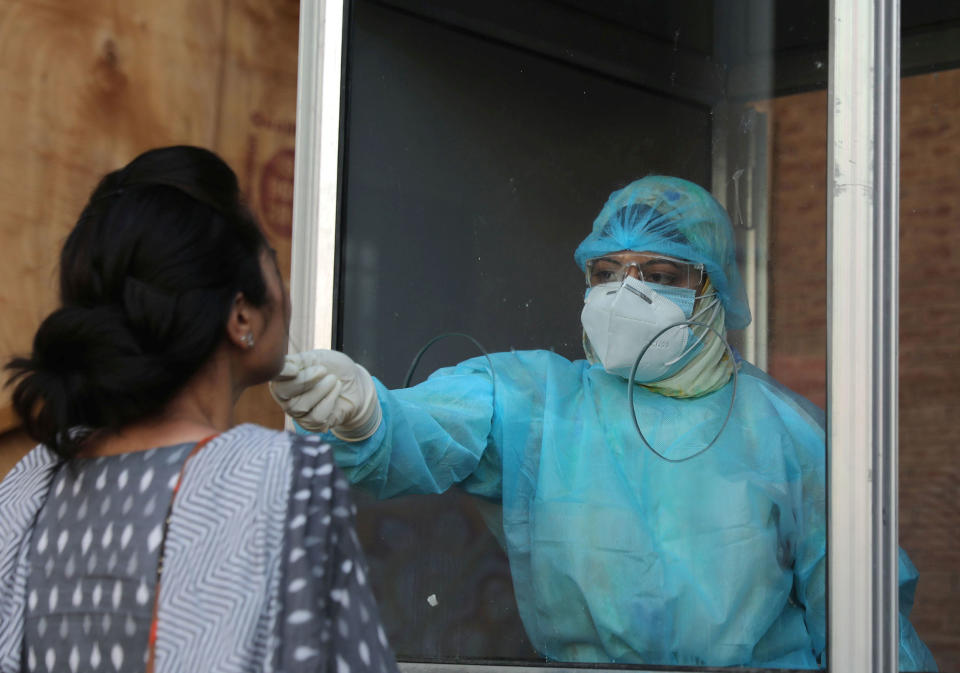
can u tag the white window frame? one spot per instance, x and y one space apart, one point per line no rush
862 341
862 230
316 185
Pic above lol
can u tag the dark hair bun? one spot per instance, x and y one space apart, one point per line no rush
147 279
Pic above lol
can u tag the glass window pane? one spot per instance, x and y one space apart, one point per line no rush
929 325
482 141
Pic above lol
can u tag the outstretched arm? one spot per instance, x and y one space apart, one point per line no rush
429 437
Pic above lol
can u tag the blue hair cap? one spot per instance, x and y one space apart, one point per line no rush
673 217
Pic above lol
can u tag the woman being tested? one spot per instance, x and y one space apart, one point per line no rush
145 530
711 553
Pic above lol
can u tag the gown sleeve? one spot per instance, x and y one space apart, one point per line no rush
805 424
914 654
433 436
811 561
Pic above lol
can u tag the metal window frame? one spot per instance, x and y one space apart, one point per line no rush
317 161
862 305
862 214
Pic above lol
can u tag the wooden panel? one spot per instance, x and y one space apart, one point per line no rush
8 420
86 87
256 135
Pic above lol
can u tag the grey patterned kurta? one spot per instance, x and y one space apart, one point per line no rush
93 561
262 569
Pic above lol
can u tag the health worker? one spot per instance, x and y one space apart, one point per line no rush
694 557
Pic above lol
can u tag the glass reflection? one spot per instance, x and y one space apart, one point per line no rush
929 327
481 142
678 555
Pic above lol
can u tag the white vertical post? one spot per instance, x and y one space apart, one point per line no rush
316 173
862 205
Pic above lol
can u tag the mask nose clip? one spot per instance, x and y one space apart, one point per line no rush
637 291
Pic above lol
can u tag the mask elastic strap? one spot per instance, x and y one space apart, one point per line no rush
713 294
715 305
631 386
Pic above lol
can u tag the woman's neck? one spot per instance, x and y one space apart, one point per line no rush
203 407
141 437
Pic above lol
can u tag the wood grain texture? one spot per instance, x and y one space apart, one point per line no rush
8 419
89 84
256 135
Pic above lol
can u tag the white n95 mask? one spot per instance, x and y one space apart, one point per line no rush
621 319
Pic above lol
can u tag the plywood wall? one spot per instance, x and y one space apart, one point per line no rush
88 84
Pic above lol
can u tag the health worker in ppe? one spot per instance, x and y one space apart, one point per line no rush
619 555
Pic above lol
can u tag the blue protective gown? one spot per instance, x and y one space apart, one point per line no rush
616 555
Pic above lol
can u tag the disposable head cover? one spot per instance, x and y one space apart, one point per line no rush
674 217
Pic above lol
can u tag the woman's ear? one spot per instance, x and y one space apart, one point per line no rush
240 323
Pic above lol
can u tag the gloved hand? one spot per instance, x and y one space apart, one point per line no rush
325 390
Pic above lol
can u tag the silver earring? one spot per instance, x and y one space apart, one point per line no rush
248 340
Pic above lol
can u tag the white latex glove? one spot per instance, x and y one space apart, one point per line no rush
324 391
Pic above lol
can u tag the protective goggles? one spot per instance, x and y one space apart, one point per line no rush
657 269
